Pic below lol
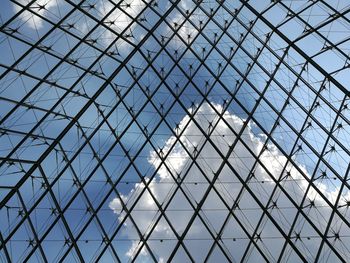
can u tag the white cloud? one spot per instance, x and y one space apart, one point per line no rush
118 20
40 7
187 31
228 185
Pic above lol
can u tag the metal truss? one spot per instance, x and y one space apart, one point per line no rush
99 97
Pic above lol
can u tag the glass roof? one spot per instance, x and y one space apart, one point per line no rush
182 131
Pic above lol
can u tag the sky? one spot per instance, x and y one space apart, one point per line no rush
197 107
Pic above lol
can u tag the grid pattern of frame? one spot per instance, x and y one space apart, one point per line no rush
99 97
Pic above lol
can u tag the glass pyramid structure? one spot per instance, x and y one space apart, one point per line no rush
174 131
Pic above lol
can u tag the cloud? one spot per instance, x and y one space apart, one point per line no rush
118 20
228 185
187 31
40 7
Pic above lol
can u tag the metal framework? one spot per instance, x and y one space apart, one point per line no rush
182 131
